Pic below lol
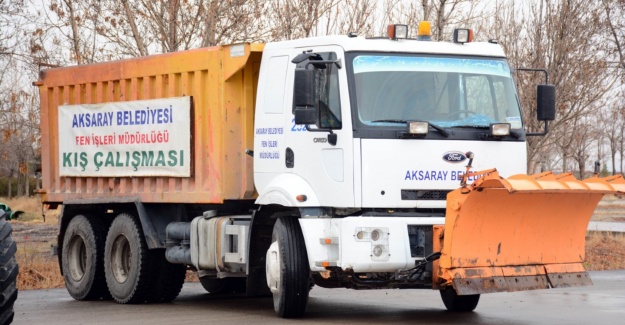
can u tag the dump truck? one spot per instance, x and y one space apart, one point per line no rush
337 161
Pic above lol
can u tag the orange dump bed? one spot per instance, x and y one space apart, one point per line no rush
162 128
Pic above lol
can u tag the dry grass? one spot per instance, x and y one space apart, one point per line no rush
605 251
32 209
38 268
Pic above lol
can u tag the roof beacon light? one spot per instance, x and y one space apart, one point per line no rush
425 31
463 35
397 31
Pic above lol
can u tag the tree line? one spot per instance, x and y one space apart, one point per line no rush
580 43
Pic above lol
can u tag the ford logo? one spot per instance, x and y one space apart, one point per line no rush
454 157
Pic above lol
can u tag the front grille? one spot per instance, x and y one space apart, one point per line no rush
425 195
420 238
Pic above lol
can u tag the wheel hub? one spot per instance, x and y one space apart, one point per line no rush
272 267
77 258
120 259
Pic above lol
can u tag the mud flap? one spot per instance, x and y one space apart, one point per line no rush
521 233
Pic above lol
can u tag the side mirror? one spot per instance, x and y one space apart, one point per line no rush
304 97
546 102
305 116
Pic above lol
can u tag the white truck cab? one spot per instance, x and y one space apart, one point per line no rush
366 99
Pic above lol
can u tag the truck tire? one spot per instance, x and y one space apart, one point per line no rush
454 302
8 272
167 278
213 285
126 261
82 258
288 274
226 286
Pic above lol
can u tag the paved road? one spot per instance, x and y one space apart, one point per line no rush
603 303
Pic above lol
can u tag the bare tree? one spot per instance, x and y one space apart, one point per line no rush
444 15
615 21
582 138
143 27
8 30
292 19
18 131
233 21
76 23
352 16
18 112
557 36
612 121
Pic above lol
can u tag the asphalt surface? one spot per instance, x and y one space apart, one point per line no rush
603 303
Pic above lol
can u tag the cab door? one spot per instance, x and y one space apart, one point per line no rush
311 154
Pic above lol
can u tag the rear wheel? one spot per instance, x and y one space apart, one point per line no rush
454 302
167 278
287 270
126 261
8 272
83 258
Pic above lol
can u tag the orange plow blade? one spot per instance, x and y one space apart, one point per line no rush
521 233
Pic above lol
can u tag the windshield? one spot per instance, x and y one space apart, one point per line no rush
446 91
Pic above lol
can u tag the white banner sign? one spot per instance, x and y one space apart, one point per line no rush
136 138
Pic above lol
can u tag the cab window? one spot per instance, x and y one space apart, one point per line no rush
328 92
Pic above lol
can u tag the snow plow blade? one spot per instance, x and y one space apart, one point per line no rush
521 233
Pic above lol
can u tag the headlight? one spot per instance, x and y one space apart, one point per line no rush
375 235
378 237
500 129
418 127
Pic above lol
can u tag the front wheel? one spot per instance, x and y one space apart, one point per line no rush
454 302
288 274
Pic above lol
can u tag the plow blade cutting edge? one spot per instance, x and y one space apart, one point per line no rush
521 233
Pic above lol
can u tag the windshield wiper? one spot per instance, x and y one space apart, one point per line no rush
440 129
513 133
472 126
389 121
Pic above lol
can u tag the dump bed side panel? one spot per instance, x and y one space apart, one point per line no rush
221 82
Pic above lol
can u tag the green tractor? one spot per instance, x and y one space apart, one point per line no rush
8 265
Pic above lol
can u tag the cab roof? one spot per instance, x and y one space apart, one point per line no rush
359 43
